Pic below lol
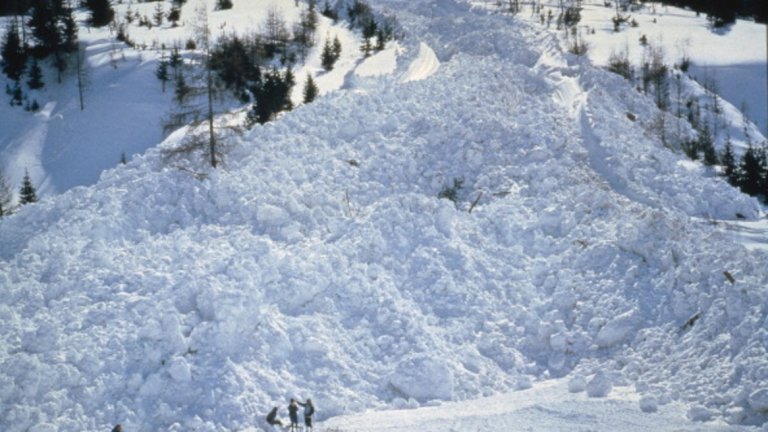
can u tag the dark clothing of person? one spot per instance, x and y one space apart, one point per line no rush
293 413
272 418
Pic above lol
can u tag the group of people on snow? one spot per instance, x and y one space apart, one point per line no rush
293 415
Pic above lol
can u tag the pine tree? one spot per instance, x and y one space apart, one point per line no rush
44 24
327 57
28 193
750 172
159 14
336 48
35 81
223 4
272 94
162 72
174 15
707 146
13 53
101 12
310 89
728 161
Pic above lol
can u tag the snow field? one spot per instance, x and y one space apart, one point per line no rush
320 263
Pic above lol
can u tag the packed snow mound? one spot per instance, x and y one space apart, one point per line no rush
425 64
321 263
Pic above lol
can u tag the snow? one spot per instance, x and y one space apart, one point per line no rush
558 291
425 64
544 408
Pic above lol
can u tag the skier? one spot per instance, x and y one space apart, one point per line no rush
272 418
309 409
293 413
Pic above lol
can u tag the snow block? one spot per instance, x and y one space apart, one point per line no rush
577 384
616 330
758 400
423 378
700 414
649 404
599 386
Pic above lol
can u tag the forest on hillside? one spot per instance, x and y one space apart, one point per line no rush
724 12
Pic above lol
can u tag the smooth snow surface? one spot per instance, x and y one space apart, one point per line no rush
319 262
546 407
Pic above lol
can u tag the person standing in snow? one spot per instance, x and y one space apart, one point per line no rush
293 413
309 409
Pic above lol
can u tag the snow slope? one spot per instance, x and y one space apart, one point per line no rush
320 262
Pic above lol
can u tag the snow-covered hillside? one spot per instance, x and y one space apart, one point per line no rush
319 261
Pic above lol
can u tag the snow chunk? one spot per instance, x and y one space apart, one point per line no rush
180 370
700 414
599 386
577 384
758 400
616 330
649 404
423 378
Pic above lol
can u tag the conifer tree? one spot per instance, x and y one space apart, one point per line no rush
28 193
707 146
159 14
327 57
174 15
13 53
750 172
223 4
728 161
101 12
310 89
162 72
35 81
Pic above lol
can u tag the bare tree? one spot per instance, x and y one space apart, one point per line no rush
196 97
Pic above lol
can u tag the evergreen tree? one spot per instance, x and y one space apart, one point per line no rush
329 12
728 161
13 53
17 95
223 4
46 24
35 81
101 12
310 89
328 57
181 90
174 15
707 147
28 193
272 94
750 172
159 14
162 72
336 48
